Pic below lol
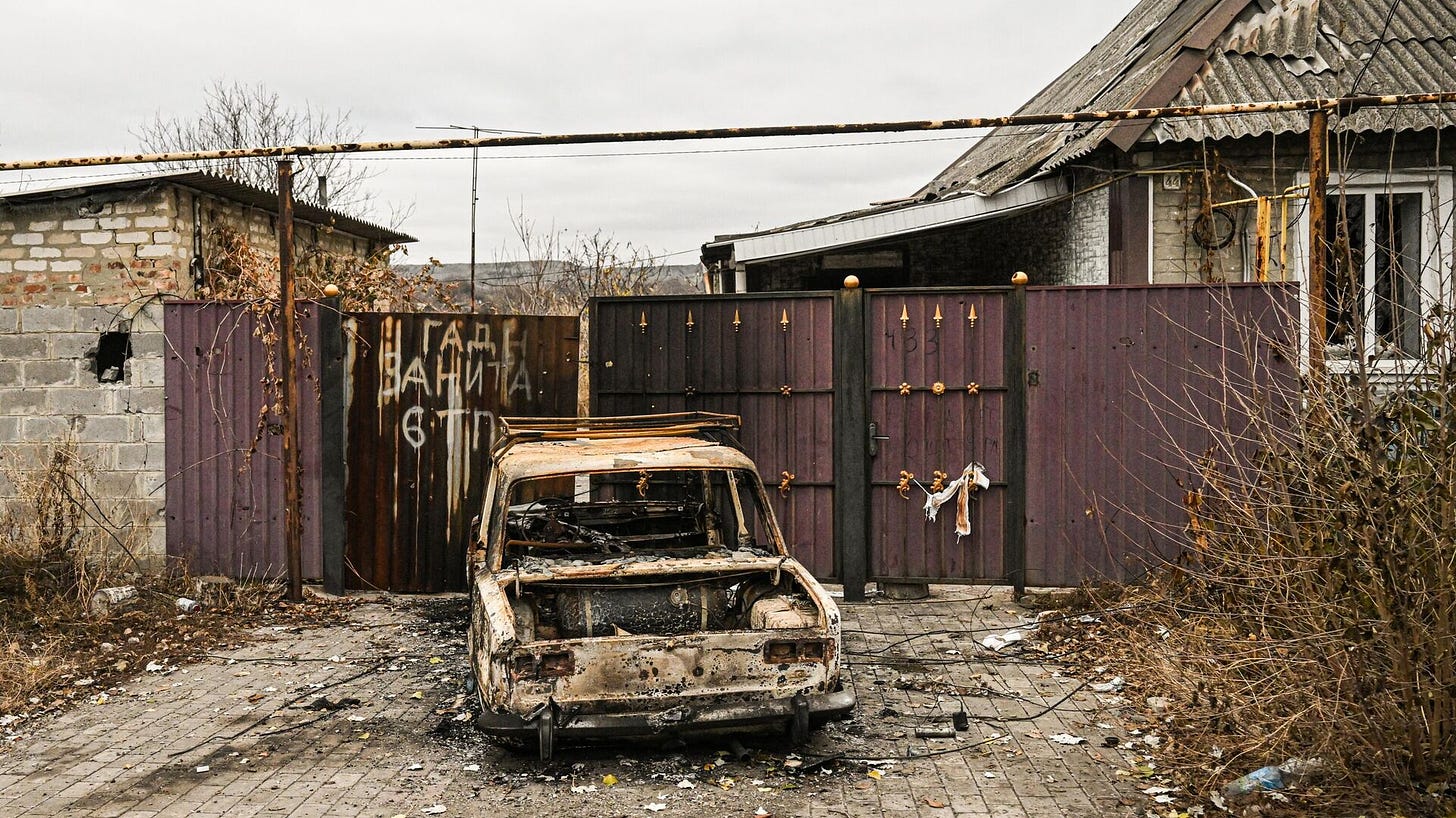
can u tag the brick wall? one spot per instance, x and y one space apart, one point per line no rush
48 393
73 251
64 253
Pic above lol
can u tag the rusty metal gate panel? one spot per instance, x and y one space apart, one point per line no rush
224 444
425 389
1118 376
767 358
938 400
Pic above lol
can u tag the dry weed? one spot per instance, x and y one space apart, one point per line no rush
1313 614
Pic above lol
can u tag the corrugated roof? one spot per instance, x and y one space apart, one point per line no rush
1264 50
221 187
1341 38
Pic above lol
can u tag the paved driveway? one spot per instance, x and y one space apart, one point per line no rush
371 718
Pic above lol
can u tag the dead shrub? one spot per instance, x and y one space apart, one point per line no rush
56 546
1313 613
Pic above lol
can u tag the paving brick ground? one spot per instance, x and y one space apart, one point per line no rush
234 736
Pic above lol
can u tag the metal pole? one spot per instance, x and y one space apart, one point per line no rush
1178 111
1319 171
474 197
288 394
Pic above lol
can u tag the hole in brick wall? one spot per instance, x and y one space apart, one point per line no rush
111 355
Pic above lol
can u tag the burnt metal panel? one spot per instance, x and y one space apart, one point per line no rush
766 358
224 444
1126 383
425 389
937 428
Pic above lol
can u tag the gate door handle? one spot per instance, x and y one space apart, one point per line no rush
875 438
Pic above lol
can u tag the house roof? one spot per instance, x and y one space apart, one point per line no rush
1173 52
1184 52
217 186
873 224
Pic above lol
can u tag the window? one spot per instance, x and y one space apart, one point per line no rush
1388 235
1373 280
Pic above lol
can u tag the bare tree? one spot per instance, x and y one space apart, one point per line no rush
563 271
235 115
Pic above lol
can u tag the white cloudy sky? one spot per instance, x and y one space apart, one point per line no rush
82 77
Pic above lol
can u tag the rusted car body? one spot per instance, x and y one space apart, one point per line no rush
629 579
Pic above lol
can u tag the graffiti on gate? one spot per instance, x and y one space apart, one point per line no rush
448 368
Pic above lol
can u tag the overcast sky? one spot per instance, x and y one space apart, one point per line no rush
81 79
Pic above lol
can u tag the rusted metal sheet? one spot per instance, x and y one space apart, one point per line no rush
1124 381
224 445
938 394
764 358
425 391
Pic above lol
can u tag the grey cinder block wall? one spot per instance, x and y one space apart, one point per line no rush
50 391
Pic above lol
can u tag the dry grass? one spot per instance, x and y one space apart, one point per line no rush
1314 612
57 548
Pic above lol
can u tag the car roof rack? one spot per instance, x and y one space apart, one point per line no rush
711 426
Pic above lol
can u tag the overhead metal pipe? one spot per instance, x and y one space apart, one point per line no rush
1342 105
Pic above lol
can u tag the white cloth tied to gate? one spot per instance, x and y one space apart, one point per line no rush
974 477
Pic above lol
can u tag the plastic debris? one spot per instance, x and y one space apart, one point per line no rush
686 785
935 732
471 768
584 788
437 809
1068 738
107 598
1110 686
995 642
656 806
610 780
1264 778
202 768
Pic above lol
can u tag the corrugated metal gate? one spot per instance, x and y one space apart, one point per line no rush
859 397
938 398
224 446
425 389
765 358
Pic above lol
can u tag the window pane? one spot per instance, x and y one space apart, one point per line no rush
1345 273
1397 297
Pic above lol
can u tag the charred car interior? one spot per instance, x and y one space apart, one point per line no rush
630 579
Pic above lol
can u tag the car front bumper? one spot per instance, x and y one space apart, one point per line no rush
671 720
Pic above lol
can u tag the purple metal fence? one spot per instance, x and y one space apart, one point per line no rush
766 358
1077 401
224 444
1125 383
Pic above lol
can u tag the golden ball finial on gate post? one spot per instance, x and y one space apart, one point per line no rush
331 290
851 282
1019 278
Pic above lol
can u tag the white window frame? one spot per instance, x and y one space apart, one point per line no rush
1435 186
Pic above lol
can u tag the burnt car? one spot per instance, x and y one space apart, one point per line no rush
629 579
